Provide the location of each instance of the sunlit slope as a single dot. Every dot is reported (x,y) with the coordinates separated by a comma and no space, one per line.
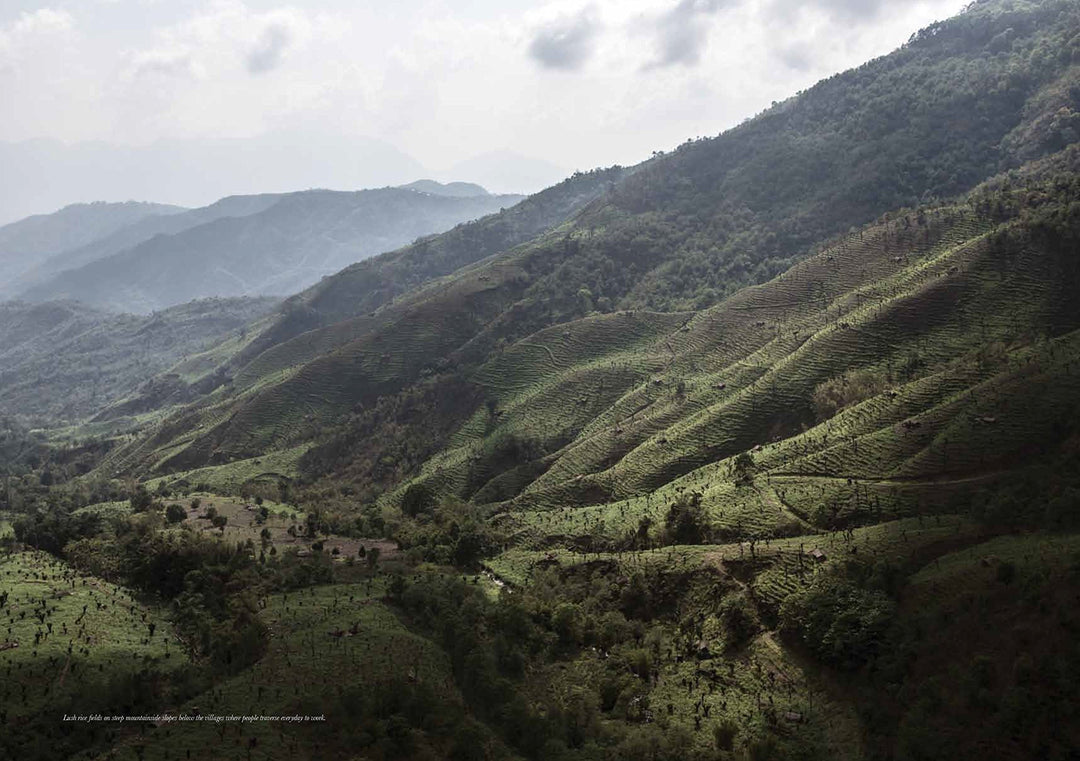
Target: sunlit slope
(908,317)
(948,336)
(687,228)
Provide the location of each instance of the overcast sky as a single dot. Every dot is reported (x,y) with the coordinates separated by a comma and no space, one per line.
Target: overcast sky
(576,83)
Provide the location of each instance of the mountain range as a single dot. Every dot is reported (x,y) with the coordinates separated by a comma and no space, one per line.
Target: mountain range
(764,448)
(238,246)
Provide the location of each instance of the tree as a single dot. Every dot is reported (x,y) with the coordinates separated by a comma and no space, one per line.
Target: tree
(470,545)
(373,557)
(566,621)
(685,522)
(418,498)
(841,623)
(174,513)
(219,522)
(738,619)
(140,499)
(744,468)
(724,734)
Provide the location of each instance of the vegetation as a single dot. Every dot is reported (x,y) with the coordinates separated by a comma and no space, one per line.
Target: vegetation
(766,448)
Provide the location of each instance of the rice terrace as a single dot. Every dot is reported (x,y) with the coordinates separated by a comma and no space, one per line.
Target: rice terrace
(762,447)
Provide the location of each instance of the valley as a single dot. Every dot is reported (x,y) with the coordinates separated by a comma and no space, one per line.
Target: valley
(763,448)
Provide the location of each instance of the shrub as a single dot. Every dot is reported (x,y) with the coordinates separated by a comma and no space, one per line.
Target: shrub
(847,390)
(418,498)
(685,522)
(842,624)
(724,734)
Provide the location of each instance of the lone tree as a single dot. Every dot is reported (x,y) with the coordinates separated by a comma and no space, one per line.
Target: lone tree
(418,498)
(141,500)
(219,522)
(685,522)
(744,469)
(174,513)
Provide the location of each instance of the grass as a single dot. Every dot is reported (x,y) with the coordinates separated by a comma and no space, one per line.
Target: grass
(72,632)
(105,510)
(304,672)
(231,477)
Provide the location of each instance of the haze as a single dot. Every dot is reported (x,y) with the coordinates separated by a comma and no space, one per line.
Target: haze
(186,101)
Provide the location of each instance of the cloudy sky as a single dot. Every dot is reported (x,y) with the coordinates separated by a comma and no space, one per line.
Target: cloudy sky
(577,83)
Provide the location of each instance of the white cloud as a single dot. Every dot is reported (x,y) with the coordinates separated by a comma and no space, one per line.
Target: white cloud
(42,21)
(165,63)
(566,42)
(576,82)
(20,38)
(681,34)
(268,52)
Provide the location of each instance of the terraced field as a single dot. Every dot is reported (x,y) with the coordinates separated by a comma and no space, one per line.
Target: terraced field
(627,411)
(389,670)
(271,469)
(69,642)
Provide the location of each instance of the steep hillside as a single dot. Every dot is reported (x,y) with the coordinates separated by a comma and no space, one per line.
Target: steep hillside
(29,242)
(61,361)
(685,230)
(765,449)
(616,405)
(288,245)
(932,348)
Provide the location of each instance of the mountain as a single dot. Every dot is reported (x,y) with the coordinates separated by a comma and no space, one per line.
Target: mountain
(450,189)
(47,174)
(868,458)
(29,242)
(766,448)
(678,233)
(130,235)
(280,245)
(60,361)
(509,172)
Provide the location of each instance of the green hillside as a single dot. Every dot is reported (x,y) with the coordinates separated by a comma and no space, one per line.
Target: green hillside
(679,232)
(61,362)
(764,449)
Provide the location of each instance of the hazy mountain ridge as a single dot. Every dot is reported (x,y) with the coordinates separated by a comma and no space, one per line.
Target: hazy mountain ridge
(134,234)
(28,242)
(295,240)
(449,189)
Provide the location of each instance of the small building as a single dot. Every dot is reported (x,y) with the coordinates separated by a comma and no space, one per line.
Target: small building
(818,555)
